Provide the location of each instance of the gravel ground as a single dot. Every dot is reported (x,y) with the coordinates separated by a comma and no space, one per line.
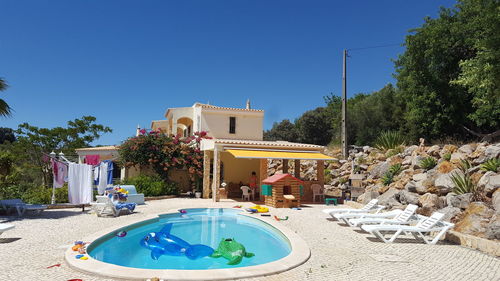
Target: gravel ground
(337,252)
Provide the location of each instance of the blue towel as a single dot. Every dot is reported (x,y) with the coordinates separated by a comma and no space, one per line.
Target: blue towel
(130,206)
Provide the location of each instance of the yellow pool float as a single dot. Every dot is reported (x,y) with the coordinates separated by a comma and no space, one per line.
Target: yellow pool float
(260,209)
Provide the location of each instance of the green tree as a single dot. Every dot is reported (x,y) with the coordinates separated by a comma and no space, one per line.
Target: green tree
(5,109)
(436,72)
(7,134)
(32,141)
(284,131)
(314,127)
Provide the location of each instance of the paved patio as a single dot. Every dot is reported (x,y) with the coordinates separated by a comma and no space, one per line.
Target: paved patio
(337,252)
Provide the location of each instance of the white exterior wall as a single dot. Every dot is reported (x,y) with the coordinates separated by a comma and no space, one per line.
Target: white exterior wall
(249,125)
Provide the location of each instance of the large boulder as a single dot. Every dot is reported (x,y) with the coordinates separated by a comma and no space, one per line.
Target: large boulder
(370,193)
(492,151)
(388,199)
(411,186)
(449,148)
(415,162)
(406,197)
(461,201)
(419,177)
(457,157)
(409,150)
(450,212)
(434,150)
(379,169)
(495,201)
(429,200)
(443,182)
(489,182)
(475,220)
(493,228)
(467,149)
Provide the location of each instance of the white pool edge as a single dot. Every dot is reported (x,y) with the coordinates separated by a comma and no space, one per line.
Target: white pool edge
(299,254)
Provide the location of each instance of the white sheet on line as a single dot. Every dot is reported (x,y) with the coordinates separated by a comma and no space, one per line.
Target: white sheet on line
(80,183)
(103,178)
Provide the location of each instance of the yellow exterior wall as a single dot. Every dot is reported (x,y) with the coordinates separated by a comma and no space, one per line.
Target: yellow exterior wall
(248,126)
(236,170)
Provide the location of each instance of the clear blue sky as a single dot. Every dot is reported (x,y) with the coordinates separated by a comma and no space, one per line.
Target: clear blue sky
(126,62)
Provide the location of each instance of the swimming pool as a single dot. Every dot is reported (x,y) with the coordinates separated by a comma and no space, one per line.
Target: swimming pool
(273,248)
(196,226)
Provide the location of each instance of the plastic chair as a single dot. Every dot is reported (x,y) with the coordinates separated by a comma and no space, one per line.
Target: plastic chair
(246,192)
(317,191)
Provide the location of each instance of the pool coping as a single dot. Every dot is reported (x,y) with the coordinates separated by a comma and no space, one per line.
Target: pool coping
(299,254)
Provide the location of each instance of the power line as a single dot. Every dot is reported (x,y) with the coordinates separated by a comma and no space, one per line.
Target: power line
(375,47)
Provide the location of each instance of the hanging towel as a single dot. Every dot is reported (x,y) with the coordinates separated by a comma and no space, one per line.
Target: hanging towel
(110,170)
(103,178)
(80,183)
(92,160)
(60,173)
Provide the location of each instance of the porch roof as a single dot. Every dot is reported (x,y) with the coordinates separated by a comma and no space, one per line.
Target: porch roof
(276,154)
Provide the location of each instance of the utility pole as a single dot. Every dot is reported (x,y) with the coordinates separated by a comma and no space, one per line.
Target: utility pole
(345,152)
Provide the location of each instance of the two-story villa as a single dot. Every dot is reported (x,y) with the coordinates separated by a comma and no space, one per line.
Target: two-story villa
(236,149)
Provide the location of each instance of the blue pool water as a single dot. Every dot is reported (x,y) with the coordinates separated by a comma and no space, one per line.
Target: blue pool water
(197,226)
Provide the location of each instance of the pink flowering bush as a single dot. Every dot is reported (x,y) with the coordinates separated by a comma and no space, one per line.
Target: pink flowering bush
(162,153)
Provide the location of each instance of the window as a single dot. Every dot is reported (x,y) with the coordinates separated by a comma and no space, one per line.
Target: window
(232,125)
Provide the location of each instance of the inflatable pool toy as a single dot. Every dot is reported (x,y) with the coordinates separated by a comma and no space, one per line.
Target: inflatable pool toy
(260,209)
(164,243)
(250,210)
(237,206)
(78,246)
(296,208)
(84,258)
(280,219)
(81,257)
(121,233)
(231,250)
(182,211)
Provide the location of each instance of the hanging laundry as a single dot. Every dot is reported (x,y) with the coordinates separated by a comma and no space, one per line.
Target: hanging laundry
(59,173)
(79,183)
(103,177)
(110,171)
(92,160)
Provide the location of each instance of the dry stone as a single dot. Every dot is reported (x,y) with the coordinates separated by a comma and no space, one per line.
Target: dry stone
(410,149)
(429,200)
(475,220)
(450,212)
(493,228)
(490,182)
(415,162)
(457,157)
(461,201)
(411,186)
(434,150)
(379,169)
(388,199)
(495,201)
(466,149)
(443,182)
(406,197)
(492,151)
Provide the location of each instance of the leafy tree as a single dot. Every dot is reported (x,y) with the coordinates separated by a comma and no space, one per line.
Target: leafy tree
(314,127)
(7,134)
(440,75)
(5,109)
(284,131)
(32,141)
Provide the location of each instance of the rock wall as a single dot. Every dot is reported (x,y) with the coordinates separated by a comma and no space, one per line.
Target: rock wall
(431,188)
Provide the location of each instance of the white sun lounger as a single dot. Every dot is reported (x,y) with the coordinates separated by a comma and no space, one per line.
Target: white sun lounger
(4,227)
(104,206)
(425,225)
(371,206)
(21,207)
(388,215)
(404,217)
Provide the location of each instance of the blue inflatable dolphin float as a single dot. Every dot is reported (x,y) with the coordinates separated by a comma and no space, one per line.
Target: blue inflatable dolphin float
(164,243)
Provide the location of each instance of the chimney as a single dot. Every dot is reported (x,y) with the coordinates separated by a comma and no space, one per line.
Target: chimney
(248,104)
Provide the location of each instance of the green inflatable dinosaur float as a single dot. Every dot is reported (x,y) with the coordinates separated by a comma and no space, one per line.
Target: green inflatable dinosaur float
(231,250)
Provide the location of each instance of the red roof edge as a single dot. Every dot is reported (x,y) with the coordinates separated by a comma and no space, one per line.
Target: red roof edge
(278,177)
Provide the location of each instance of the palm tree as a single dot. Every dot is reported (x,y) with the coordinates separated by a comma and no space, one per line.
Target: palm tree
(5,109)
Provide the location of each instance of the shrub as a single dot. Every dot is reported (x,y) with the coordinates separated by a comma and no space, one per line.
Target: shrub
(491,165)
(428,163)
(388,177)
(152,185)
(395,151)
(447,156)
(33,194)
(389,140)
(463,183)
(464,165)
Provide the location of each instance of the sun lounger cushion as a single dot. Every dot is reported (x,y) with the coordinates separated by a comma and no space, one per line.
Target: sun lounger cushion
(133,196)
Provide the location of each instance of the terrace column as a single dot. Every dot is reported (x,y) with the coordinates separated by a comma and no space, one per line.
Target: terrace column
(320,169)
(285,166)
(297,168)
(206,173)
(216,179)
(262,170)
